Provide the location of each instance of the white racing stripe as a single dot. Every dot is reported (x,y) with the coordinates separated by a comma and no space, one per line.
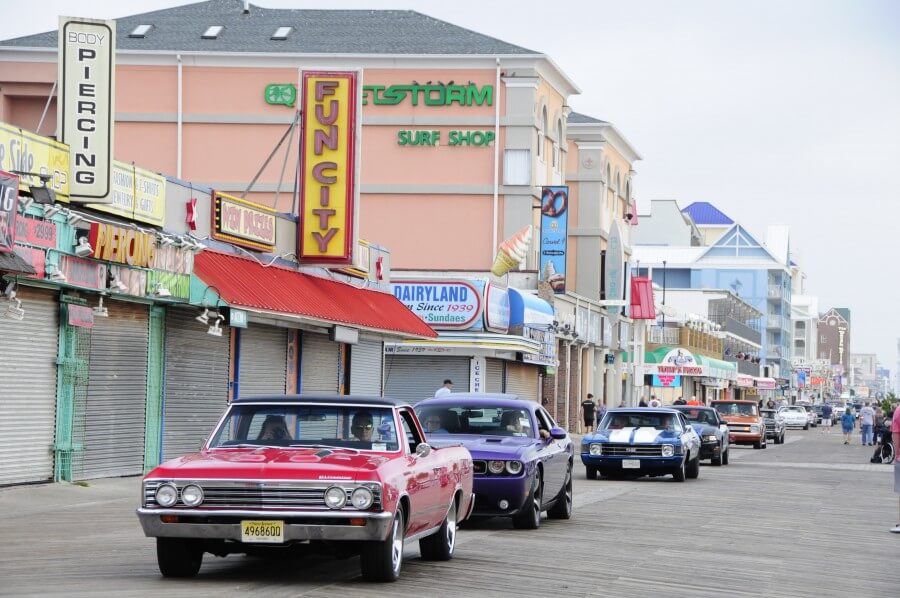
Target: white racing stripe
(643,434)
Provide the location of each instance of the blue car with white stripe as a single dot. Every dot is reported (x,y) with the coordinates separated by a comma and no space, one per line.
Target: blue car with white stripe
(642,441)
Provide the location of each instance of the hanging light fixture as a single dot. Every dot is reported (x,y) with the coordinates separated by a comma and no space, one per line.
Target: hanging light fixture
(100,310)
(163,291)
(14,310)
(216,328)
(51,210)
(56,274)
(83,248)
(204,317)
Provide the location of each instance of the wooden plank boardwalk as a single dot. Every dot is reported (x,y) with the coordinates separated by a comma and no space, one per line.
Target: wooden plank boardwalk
(808,518)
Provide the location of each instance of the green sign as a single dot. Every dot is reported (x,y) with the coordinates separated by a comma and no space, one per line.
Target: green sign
(284,94)
(455,138)
(429,95)
(237,318)
(72,300)
(178,285)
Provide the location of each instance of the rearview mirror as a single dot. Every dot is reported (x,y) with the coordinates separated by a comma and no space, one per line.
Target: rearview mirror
(423,450)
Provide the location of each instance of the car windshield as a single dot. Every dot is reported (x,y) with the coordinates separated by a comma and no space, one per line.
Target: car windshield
(486,420)
(795,409)
(367,428)
(618,421)
(736,408)
(700,416)
(770,413)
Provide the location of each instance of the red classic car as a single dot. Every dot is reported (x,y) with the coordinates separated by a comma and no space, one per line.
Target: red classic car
(353,474)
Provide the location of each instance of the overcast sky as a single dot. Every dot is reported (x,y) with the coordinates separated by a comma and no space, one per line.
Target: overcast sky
(776,111)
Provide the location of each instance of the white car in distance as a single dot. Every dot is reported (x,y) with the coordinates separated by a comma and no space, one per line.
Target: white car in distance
(794,416)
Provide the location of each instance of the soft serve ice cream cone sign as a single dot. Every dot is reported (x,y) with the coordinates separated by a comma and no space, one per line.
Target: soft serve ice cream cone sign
(512,252)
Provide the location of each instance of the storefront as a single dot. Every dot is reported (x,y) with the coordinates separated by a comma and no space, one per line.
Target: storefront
(491,340)
(301,333)
(767,388)
(742,386)
(673,372)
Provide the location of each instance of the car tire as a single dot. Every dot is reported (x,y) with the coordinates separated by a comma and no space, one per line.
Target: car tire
(679,475)
(529,517)
(590,472)
(806,427)
(692,468)
(440,546)
(178,557)
(717,461)
(757,445)
(382,560)
(725,456)
(765,443)
(563,507)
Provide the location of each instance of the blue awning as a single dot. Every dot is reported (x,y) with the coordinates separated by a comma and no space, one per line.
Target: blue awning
(526,309)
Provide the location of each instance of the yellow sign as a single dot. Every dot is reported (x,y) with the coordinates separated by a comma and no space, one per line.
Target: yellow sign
(137,194)
(122,245)
(243,222)
(26,152)
(328,168)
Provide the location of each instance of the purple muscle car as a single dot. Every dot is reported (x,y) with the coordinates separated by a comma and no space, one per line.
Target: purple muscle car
(522,459)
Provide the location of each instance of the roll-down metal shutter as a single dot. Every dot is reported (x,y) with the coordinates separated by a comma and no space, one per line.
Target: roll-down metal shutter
(319,364)
(494,375)
(522,380)
(263,360)
(115,409)
(366,359)
(196,382)
(28,353)
(416,377)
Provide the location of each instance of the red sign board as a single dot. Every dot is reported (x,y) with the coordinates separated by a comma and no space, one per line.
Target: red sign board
(35,258)
(32,231)
(81,316)
(83,273)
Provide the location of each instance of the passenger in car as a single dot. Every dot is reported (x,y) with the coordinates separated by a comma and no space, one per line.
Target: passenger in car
(274,428)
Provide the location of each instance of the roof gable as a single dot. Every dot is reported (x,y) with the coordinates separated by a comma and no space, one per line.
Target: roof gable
(706,214)
(737,243)
(578,118)
(314,32)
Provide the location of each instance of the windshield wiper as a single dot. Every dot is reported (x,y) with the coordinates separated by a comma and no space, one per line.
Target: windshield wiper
(322,446)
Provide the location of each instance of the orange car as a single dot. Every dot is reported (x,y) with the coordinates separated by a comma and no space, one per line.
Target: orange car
(745,424)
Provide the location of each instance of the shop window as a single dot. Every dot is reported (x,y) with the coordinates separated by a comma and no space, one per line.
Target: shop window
(517,167)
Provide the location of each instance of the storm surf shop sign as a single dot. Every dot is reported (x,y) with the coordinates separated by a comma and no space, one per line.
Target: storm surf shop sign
(328,168)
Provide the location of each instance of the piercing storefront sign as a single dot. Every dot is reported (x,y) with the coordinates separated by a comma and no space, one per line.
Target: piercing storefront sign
(87,49)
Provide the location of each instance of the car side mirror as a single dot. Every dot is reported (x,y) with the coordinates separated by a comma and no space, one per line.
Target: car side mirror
(557,433)
(423,450)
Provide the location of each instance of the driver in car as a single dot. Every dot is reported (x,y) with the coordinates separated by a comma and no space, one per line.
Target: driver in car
(362,427)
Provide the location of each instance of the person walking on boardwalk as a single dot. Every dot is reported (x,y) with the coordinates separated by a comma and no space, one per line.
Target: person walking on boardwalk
(588,407)
(848,422)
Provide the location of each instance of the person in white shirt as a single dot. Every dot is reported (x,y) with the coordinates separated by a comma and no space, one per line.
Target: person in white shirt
(446,389)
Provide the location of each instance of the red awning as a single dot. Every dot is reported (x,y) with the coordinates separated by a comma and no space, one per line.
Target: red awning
(247,283)
(642,307)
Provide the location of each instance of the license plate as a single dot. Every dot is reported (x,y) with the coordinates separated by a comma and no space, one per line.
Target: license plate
(631,463)
(266,532)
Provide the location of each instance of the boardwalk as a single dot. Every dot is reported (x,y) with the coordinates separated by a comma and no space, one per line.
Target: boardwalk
(809,518)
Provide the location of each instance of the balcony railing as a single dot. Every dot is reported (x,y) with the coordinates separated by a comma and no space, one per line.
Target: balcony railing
(774,321)
(695,341)
(773,353)
(775,292)
(663,336)
(740,329)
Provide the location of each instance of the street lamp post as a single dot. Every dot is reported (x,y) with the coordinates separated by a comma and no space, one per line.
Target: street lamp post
(664,295)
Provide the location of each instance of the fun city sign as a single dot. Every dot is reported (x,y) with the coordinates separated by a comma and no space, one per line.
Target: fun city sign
(328,168)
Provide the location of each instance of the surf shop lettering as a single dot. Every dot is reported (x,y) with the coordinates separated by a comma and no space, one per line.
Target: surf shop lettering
(324,172)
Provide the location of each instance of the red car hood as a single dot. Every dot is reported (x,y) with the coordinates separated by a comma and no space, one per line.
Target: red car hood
(271,463)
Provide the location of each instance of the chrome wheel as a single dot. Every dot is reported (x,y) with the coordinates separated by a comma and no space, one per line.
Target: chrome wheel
(451,528)
(396,547)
